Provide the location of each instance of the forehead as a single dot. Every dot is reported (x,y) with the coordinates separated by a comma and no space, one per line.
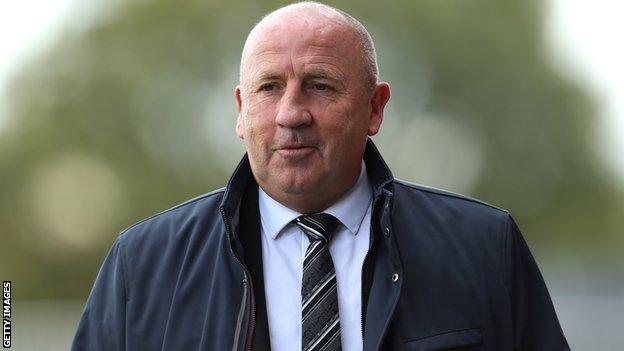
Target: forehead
(301,44)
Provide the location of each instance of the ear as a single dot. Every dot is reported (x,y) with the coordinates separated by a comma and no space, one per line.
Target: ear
(378,101)
(239,104)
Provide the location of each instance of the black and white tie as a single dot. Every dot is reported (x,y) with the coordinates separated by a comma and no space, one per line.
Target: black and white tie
(319,295)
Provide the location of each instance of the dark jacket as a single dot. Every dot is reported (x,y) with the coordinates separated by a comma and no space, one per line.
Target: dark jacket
(443,272)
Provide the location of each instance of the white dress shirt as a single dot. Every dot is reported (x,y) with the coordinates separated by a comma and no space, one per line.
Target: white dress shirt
(283,248)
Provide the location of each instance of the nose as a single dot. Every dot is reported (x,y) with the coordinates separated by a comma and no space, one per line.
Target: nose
(293,111)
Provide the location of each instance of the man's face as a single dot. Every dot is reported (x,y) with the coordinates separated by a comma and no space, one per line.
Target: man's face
(304,109)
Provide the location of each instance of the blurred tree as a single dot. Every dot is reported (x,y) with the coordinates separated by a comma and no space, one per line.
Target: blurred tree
(135,114)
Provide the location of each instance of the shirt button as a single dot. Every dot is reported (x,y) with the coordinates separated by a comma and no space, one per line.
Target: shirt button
(395,278)
(386,231)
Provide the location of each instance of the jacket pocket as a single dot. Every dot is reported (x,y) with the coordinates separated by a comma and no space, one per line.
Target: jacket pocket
(447,340)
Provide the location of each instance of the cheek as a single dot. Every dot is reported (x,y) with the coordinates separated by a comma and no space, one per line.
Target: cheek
(344,131)
(342,123)
(256,104)
(258,121)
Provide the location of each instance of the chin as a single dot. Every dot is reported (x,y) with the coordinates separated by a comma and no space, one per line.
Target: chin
(298,184)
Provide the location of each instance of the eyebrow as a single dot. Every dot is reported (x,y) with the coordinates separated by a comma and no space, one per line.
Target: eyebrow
(268,75)
(323,73)
(311,73)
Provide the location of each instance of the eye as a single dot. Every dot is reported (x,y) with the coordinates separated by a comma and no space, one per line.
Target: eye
(321,86)
(267,87)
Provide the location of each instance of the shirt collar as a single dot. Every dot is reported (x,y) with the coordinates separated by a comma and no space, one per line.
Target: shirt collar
(350,209)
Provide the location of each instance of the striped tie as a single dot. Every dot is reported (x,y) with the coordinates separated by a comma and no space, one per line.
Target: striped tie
(319,297)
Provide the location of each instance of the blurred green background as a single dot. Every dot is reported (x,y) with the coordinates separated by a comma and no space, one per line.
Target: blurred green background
(134,112)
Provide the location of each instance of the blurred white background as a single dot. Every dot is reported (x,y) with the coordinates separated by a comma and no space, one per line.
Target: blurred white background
(585,45)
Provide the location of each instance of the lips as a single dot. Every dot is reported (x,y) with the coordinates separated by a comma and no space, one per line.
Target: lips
(292,146)
(294,151)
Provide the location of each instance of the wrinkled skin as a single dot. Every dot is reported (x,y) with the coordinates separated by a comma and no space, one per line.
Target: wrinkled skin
(305,109)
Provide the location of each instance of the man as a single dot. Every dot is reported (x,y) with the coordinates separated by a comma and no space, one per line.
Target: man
(313,245)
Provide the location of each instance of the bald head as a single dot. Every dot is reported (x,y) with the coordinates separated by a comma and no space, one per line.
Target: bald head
(320,15)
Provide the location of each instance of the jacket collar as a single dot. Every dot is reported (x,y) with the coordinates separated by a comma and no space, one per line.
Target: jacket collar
(379,173)
(379,176)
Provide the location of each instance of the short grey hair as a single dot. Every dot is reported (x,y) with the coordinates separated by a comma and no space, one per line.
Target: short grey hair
(369,54)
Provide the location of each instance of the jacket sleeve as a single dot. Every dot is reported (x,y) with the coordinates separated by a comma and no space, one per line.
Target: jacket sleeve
(535,323)
(102,325)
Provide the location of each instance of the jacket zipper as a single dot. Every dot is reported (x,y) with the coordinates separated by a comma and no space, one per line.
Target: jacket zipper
(239,318)
(246,282)
(364,269)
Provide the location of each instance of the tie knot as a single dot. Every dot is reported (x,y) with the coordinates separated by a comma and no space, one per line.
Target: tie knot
(318,226)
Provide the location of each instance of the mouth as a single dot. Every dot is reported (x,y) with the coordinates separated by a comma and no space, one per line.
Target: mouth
(294,151)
